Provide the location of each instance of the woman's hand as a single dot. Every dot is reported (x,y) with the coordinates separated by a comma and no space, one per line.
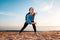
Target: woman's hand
(33,22)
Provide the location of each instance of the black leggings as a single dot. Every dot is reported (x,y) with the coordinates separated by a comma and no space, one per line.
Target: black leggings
(25,25)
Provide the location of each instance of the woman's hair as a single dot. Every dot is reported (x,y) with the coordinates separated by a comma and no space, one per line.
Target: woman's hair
(30,8)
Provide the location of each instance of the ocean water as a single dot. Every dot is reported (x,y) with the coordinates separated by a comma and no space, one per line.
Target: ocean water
(30,28)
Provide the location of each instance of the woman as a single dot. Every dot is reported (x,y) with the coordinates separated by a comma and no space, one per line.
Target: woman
(29,20)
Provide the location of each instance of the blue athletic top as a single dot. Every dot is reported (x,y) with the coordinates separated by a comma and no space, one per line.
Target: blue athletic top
(29,18)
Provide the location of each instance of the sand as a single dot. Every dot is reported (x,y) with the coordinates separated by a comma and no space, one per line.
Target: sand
(28,35)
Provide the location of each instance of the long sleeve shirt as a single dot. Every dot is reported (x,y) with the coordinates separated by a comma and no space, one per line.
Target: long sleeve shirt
(30,18)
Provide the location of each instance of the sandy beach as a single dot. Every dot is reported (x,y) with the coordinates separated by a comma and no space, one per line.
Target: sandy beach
(29,35)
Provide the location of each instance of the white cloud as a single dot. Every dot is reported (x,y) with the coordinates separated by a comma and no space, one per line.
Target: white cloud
(7,13)
(54,16)
(49,14)
(47,6)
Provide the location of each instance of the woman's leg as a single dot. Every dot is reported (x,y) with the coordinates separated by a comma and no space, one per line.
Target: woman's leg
(34,27)
(25,25)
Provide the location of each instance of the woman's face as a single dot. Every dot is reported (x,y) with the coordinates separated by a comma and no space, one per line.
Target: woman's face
(32,11)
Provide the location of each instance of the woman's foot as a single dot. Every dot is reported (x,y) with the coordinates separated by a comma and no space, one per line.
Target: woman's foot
(36,34)
(18,33)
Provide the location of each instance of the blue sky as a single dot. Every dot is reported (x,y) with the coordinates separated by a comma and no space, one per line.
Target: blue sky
(12,12)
